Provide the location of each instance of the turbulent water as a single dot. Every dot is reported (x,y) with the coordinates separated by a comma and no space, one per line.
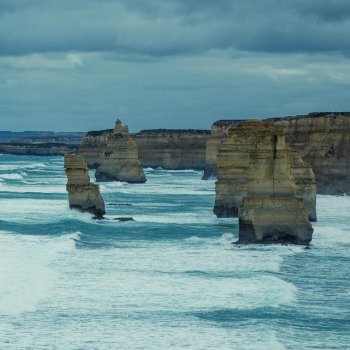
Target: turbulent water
(168,280)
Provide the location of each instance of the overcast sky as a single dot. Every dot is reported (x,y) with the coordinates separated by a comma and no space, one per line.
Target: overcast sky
(79,64)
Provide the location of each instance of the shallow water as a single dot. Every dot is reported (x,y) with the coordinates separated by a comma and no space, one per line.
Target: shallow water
(170,279)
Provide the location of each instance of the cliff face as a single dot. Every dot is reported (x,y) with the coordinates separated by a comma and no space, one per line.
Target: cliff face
(38,149)
(255,161)
(82,194)
(273,220)
(120,160)
(323,140)
(304,179)
(93,146)
(169,149)
(172,149)
(254,166)
(219,132)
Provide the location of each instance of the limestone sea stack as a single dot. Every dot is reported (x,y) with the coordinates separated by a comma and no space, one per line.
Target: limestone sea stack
(305,182)
(120,158)
(255,177)
(82,194)
(253,160)
(273,220)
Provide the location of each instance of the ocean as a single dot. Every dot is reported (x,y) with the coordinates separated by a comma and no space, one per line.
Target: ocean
(171,279)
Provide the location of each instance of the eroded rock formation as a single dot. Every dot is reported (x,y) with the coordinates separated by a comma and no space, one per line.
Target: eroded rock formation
(82,194)
(37,149)
(273,220)
(254,166)
(304,179)
(120,158)
(93,146)
(166,148)
(172,149)
(322,139)
(257,168)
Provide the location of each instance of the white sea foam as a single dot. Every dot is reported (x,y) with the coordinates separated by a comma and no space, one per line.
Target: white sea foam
(11,176)
(26,276)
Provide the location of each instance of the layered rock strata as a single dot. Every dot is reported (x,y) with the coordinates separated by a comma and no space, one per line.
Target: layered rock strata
(120,158)
(254,160)
(305,182)
(273,220)
(172,149)
(254,166)
(165,148)
(82,194)
(37,149)
(93,146)
(322,139)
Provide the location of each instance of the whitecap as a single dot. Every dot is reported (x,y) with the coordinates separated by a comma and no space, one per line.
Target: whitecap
(11,176)
(26,275)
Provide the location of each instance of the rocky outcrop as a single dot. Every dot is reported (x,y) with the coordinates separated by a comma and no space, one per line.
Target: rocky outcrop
(172,149)
(255,161)
(37,149)
(82,194)
(273,220)
(322,139)
(165,148)
(304,179)
(219,132)
(93,146)
(254,164)
(120,158)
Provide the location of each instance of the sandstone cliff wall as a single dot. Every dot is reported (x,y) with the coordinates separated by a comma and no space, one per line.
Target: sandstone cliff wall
(172,149)
(166,148)
(323,140)
(120,158)
(39,149)
(93,146)
(254,160)
(254,166)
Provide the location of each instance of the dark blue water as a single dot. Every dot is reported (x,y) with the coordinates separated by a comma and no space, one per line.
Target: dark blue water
(170,279)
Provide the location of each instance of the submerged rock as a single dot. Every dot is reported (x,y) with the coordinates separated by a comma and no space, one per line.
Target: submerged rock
(82,194)
(124,219)
(120,160)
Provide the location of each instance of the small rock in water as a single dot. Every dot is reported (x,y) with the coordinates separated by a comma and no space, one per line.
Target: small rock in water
(119,204)
(124,219)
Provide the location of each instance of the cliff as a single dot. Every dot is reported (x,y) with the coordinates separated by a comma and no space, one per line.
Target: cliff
(254,166)
(37,149)
(93,146)
(322,139)
(166,148)
(255,161)
(82,194)
(120,159)
(172,149)
(273,220)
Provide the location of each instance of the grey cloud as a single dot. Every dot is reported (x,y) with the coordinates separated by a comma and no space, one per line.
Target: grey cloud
(173,27)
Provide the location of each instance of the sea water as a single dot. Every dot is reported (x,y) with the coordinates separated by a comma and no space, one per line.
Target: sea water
(171,279)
